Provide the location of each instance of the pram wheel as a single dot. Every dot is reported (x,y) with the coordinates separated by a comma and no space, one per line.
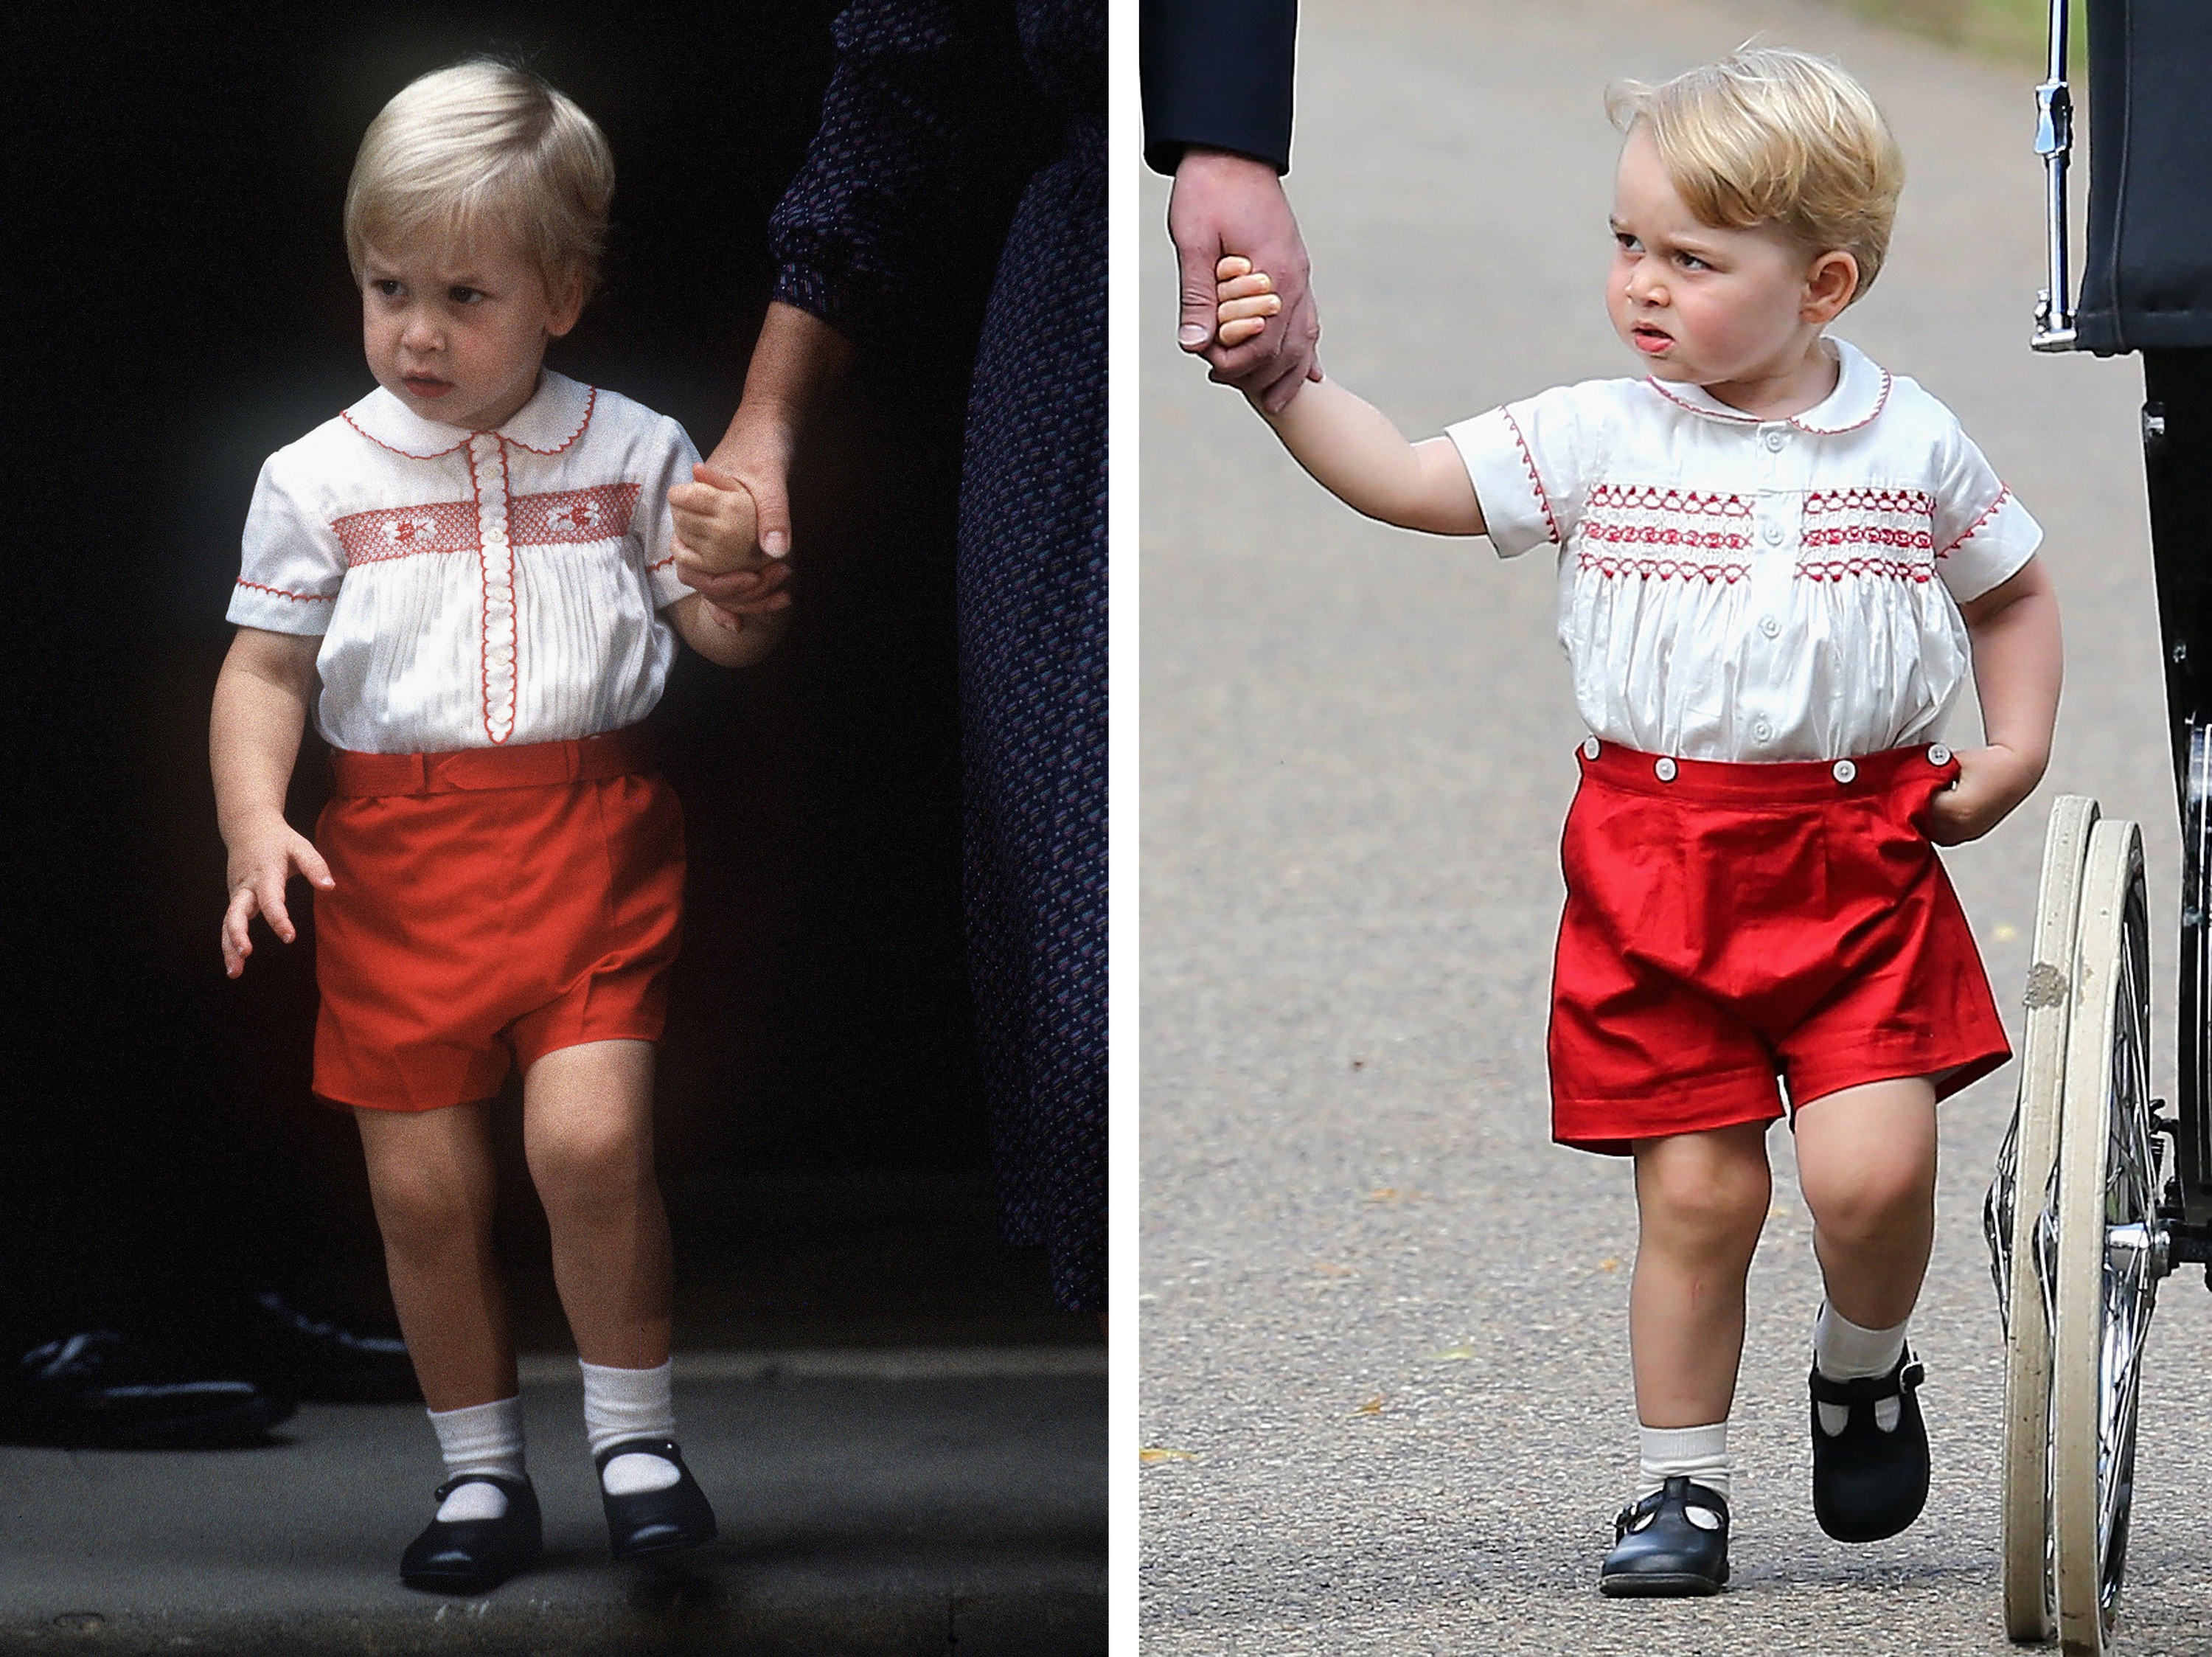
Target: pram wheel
(2019,1217)
(2110,1244)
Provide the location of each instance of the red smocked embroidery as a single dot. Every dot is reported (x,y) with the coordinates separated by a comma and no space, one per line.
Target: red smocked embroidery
(601,513)
(1887,532)
(2005,494)
(1837,568)
(297,597)
(1693,536)
(403,531)
(1535,478)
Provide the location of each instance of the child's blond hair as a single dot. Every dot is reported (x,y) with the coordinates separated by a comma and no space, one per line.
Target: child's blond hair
(482,145)
(1768,136)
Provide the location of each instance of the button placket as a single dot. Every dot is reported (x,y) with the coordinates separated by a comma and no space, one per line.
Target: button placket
(497,560)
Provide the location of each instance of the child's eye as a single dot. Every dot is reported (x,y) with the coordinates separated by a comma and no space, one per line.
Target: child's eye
(1691,262)
(461,295)
(1627,243)
(388,286)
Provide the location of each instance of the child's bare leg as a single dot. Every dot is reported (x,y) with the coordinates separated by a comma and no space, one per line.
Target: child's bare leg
(1701,1199)
(431,1178)
(588,1129)
(1866,1162)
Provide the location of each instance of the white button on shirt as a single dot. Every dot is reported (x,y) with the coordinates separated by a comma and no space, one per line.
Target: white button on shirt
(1734,591)
(473,588)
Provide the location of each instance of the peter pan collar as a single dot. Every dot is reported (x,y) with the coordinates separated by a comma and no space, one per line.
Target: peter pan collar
(1862,389)
(553,418)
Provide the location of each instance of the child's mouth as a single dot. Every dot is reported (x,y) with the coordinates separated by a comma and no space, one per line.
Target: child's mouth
(423,385)
(1650,340)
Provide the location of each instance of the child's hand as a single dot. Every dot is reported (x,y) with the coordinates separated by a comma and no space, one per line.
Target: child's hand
(1245,298)
(716,524)
(1992,781)
(262,859)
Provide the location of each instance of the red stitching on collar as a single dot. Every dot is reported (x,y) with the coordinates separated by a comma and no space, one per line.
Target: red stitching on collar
(590,402)
(346,414)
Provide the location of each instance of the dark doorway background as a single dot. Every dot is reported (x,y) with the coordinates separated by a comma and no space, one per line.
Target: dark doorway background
(187,310)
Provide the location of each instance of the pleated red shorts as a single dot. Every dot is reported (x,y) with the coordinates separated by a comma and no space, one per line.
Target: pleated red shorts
(1729,924)
(491,906)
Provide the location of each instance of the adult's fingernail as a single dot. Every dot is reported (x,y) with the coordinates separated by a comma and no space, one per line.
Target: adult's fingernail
(776,543)
(1193,334)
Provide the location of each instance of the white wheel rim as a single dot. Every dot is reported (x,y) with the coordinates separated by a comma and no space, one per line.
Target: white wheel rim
(2107,1241)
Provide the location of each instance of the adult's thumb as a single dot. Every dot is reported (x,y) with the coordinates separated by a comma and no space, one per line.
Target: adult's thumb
(1200,302)
(771,515)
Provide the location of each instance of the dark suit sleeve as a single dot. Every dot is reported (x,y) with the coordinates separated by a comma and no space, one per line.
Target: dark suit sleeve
(1217,73)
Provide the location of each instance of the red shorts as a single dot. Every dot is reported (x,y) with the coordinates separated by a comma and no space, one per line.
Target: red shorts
(491,906)
(1726,923)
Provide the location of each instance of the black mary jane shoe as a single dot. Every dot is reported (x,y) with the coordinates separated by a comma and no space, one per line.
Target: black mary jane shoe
(468,1556)
(1671,1545)
(649,1523)
(1867,1483)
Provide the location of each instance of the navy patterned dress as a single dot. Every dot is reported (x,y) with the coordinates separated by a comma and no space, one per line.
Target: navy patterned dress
(920,87)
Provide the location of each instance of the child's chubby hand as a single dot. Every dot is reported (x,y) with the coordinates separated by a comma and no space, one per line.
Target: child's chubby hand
(263,855)
(1245,299)
(718,549)
(1992,781)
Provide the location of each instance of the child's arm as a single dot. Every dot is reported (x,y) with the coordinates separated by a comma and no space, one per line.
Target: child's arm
(261,701)
(1350,449)
(2013,630)
(726,639)
(718,533)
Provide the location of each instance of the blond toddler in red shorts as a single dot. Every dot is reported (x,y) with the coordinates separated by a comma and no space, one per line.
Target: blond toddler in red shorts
(470,579)
(1777,562)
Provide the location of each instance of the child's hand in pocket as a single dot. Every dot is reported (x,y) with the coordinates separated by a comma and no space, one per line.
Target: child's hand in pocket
(1990,782)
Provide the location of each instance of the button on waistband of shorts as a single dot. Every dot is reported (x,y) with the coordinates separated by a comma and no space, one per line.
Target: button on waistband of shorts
(1663,769)
(1938,754)
(1590,747)
(1845,770)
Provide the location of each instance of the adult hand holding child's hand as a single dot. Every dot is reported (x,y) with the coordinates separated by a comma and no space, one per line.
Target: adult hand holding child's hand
(721,532)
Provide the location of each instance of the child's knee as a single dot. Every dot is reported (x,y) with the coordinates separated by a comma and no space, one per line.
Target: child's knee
(588,1159)
(1868,1200)
(1710,1196)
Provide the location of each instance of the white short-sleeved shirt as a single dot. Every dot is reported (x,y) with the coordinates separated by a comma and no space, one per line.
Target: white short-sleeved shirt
(473,589)
(1738,589)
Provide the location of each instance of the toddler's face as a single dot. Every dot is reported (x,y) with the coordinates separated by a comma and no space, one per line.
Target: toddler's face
(1719,308)
(457,330)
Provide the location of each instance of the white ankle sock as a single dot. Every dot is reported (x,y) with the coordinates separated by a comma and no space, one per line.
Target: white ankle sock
(626,1404)
(1843,1351)
(1696,1454)
(483,1438)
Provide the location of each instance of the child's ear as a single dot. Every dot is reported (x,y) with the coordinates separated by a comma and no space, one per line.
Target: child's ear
(1830,283)
(566,304)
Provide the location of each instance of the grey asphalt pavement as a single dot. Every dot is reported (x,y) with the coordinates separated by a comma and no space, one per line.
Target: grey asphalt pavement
(872,1502)
(1385,1393)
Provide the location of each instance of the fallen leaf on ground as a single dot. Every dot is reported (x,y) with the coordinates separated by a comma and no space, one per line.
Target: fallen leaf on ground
(1451,1355)
(1372,1407)
(1608,1263)
(1151,1453)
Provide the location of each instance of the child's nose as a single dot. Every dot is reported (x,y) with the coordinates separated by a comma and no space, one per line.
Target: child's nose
(421,333)
(1645,286)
